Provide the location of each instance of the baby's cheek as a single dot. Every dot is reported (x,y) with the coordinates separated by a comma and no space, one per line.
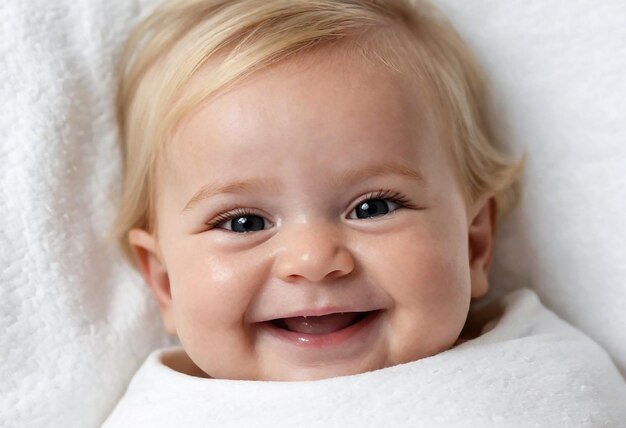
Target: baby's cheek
(428,280)
(217,288)
(422,263)
(442,287)
(210,297)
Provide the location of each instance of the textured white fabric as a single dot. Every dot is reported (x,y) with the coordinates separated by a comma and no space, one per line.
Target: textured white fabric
(77,323)
(531,370)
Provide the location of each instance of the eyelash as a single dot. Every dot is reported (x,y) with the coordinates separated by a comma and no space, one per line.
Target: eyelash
(389,195)
(230,215)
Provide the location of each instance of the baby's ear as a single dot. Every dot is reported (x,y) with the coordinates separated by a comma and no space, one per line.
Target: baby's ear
(480,239)
(154,272)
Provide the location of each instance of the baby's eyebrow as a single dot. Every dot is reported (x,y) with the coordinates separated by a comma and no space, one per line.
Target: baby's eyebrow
(252,185)
(376,170)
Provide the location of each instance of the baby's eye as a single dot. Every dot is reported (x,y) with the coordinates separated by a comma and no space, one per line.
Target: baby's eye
(373,208)
(248,223)
(239,221)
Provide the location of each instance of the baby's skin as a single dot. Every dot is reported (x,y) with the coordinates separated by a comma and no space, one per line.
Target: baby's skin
(311,224)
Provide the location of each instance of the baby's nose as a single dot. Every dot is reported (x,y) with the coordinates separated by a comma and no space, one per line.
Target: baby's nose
(312,252)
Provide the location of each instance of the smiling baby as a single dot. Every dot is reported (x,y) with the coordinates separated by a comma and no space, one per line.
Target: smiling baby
(310,187)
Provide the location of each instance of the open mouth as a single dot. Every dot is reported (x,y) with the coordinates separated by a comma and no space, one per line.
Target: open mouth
(324,324)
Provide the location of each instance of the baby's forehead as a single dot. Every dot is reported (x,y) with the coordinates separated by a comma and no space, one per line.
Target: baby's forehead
(347,62)
(390,67)
(311,92)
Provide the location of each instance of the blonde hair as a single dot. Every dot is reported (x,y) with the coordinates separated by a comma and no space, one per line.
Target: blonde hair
(242,36)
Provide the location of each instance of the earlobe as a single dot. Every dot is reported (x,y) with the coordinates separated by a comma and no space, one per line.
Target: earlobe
(480,239)
(154,272)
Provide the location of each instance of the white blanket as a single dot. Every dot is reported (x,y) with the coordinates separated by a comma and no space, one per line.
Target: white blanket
(531,370)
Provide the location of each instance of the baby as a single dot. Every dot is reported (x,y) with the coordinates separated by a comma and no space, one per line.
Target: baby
(310,187)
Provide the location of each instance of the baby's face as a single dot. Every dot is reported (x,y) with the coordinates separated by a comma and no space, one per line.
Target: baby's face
(310,225)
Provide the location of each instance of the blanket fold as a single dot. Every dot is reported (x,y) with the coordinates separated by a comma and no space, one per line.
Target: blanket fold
(530,369)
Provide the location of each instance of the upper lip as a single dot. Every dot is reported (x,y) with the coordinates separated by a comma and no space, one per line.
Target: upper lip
(316,312)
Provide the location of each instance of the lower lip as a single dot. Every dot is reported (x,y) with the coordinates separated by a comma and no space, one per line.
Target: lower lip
(339,337)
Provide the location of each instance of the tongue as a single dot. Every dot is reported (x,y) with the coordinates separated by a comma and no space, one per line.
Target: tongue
(324,324)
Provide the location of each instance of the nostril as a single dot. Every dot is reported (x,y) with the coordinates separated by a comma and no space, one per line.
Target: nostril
(335,274)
